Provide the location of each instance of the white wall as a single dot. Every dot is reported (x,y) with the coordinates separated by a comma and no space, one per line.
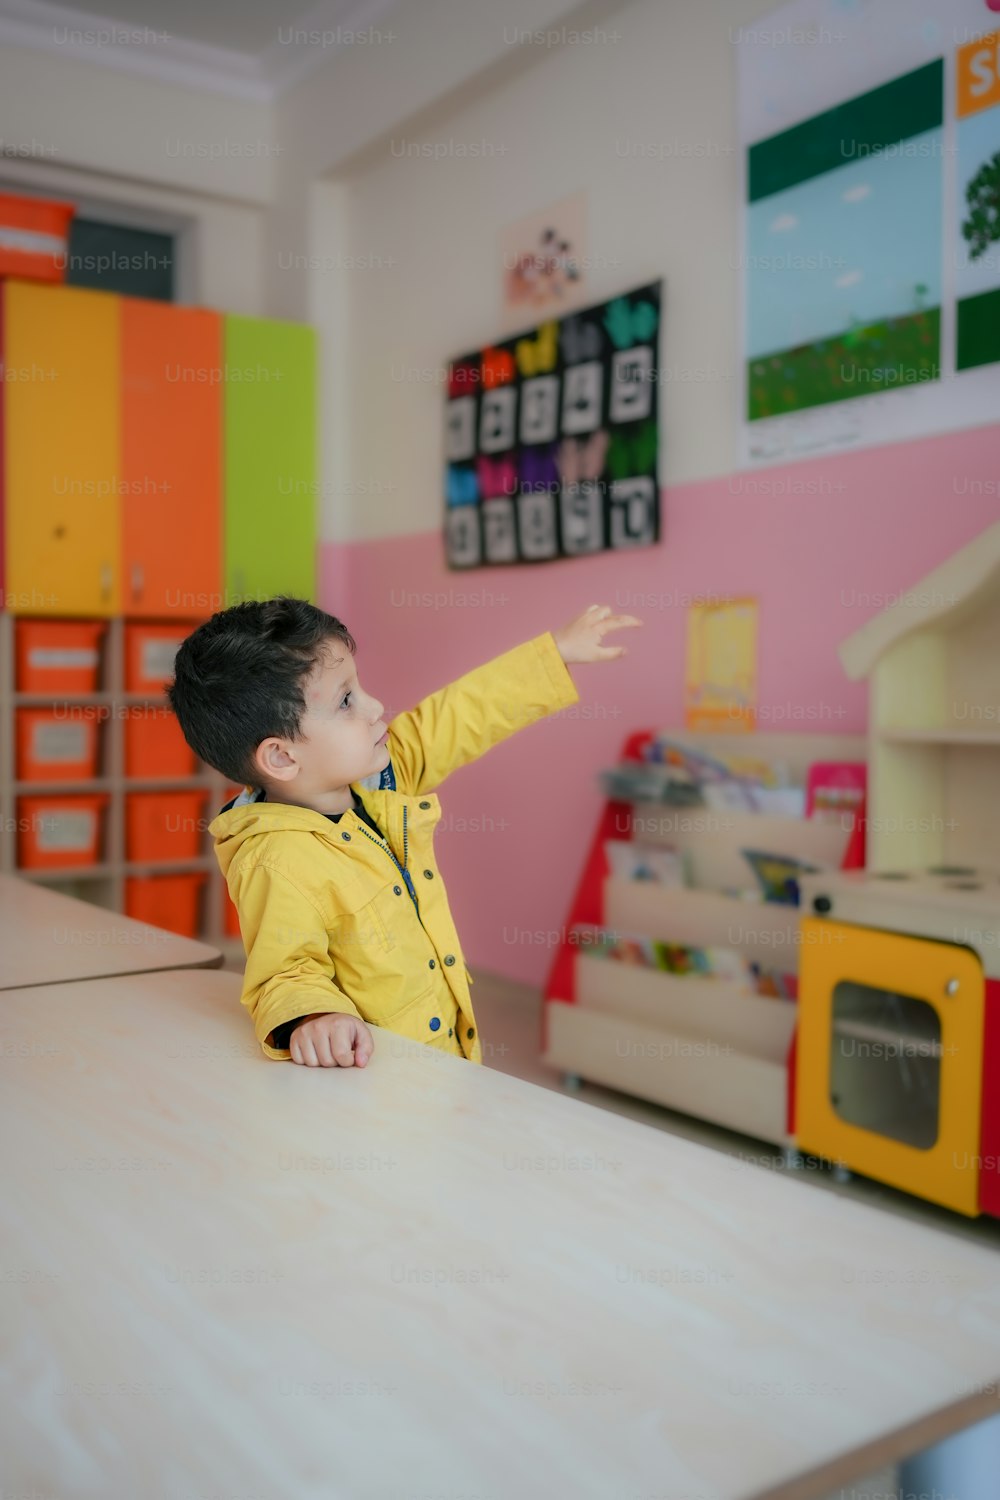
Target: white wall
(69,128)
(646,124)
(99,118)
(394,258)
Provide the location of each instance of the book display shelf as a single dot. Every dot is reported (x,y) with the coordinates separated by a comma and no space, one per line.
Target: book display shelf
(710,1029)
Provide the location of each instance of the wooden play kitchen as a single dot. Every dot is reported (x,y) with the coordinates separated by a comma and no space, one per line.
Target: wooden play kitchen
(899,1030)
(158,466)
(899,1002)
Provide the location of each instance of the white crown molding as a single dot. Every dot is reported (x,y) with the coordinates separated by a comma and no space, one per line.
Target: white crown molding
(56,29)
(286,64)
(45,26)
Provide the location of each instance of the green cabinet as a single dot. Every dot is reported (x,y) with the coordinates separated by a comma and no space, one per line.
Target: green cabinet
(270,458)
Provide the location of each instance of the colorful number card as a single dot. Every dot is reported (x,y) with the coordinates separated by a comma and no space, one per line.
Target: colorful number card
(551,438)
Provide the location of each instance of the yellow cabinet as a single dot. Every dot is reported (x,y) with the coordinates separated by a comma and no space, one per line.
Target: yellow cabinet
(889,1058)
(62,423)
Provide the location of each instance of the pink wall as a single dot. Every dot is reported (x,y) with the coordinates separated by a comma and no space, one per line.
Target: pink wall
(820,544)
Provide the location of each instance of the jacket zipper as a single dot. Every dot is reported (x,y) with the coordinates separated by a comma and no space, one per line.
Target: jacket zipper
(407,877)
(384,844)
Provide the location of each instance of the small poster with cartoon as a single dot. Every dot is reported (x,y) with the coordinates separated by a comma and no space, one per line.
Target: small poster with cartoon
(552,438)
(543,262)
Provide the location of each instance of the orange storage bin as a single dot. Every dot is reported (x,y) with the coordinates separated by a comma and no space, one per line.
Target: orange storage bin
(164,825)
(56,832)
(56,745)
(154,744)
(169,901)
(149,655)
(58,656)
(34,237)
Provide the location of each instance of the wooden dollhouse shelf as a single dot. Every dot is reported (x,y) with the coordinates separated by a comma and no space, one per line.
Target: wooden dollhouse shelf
(706,1046)
(934,673)
(985,737)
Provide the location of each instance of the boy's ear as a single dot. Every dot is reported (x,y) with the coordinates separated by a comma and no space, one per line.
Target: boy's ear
(274,761)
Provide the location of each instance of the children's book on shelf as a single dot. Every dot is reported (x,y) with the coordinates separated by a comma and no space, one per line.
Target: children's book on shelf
(633,781)
(836,790)
(736,781)
(778,874)
(680,959)
(630,860)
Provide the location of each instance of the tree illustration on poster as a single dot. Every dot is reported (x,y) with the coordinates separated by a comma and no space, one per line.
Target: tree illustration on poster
(551,438)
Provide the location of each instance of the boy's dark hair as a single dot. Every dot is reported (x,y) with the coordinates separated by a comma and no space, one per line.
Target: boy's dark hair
(239,678)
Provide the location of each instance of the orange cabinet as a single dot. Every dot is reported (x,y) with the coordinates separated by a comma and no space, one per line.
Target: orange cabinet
(171,460)
(61,449)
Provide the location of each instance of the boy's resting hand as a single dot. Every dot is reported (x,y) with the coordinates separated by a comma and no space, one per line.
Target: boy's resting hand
(331,1040)
(580,640)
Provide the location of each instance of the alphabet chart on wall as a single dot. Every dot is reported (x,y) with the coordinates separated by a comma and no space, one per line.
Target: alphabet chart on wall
(551,438)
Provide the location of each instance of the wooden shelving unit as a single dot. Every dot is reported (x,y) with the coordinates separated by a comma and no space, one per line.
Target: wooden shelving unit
(934,721)
(104,883)
(707,1047)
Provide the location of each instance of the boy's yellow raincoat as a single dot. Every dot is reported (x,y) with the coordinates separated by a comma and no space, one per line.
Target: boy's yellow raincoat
(335,919)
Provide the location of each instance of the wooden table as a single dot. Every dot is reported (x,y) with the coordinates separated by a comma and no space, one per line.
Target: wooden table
(49,938)
(229,1276)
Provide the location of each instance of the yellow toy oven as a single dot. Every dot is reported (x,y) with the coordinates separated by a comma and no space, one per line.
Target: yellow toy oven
(897,1071)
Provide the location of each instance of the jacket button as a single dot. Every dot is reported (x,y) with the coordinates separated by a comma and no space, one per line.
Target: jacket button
(345,836)
(435,1023)
(425,804)
(397,890)
(432,963)
(429,874)
(471,1032)
(449,958)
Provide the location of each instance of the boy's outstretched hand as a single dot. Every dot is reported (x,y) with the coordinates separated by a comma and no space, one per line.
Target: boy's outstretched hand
(332,1040)
(580,640)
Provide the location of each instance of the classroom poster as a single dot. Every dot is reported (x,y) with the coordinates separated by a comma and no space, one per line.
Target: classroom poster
(552,438)
(870,258)
(977,275)
(543,263)
(720,689)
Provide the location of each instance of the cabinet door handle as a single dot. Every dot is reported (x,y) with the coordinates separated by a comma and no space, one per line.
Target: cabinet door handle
(137,580)
(952,987)
(105,580)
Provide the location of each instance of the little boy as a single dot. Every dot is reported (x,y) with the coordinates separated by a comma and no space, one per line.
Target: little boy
(328,850)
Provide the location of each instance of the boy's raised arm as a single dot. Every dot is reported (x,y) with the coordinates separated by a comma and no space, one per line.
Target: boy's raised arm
(460,722)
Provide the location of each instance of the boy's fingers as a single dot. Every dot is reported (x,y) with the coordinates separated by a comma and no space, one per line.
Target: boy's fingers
(363,1046)
(323,1052)
(308,1052)
(343,1048)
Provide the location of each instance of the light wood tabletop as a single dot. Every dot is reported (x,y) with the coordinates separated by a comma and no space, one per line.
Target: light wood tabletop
(226,1276)
(49,938)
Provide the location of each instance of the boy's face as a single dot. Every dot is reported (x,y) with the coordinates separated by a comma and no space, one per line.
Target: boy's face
(342,737)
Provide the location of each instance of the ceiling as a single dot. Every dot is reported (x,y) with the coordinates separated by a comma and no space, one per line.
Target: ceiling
(250,48)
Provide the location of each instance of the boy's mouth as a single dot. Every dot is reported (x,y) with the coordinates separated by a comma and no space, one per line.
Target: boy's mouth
(382,739)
